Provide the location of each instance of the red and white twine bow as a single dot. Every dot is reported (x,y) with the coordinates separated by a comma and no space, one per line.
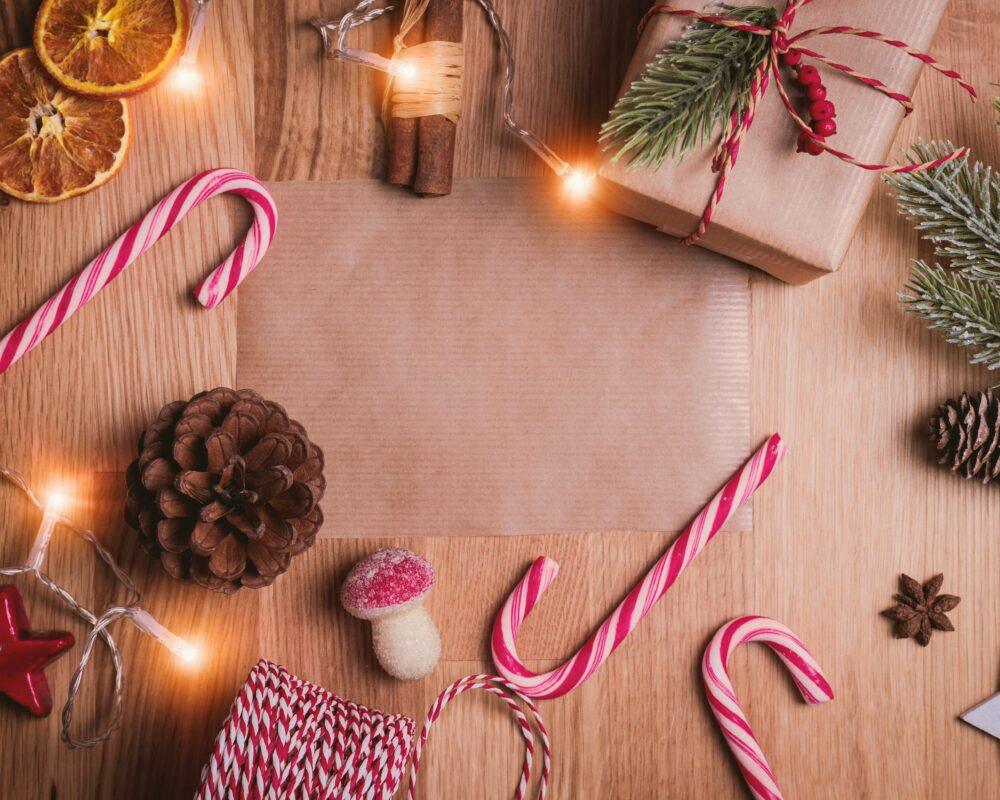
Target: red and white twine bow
(739,124)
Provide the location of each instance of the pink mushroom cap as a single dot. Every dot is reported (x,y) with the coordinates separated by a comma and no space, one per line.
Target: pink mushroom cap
(386,582)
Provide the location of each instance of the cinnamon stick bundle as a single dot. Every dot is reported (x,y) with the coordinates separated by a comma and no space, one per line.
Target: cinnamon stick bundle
(403,133)
(422,150)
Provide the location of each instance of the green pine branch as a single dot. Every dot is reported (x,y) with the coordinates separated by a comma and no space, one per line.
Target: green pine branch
(966,311)
(681,96)
(955,207)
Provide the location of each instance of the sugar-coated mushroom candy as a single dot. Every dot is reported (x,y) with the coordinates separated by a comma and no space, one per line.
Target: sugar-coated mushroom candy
(388,589)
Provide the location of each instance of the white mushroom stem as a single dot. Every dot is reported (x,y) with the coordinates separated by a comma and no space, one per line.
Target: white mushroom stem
(407,644)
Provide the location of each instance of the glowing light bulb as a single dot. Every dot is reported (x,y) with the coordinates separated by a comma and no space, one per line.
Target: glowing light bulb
(188,653)
(186,77)
(183,650)
(55,501)
(579,183)
(405,72)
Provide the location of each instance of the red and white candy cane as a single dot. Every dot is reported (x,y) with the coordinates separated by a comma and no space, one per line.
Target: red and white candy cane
(143,235)
(510,696)
(624,619)
(806,673)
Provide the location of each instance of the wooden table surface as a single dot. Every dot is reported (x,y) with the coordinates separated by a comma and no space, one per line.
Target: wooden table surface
(838,369)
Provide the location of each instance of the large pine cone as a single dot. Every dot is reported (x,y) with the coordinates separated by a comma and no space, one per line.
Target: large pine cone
(967,436)
(225,490)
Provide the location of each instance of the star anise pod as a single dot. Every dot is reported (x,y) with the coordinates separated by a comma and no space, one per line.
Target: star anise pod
(920,610)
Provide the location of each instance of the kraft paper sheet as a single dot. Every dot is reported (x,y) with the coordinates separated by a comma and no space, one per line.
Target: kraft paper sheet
(499,361)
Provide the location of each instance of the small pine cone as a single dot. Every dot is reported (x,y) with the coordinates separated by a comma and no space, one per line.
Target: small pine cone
(225,489)
(966,434)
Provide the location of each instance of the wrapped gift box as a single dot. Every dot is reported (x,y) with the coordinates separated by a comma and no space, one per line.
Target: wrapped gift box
(788,213)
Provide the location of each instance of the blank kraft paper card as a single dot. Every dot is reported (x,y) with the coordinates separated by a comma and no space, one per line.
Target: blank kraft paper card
(500,361)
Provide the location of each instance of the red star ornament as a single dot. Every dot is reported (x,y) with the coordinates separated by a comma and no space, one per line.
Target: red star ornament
(24,653)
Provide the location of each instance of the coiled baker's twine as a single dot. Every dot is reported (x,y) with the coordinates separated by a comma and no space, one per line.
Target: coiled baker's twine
(287,737)
(512,697)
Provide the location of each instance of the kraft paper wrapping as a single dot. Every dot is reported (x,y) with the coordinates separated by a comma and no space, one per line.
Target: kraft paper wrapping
(790,214)
(499,361)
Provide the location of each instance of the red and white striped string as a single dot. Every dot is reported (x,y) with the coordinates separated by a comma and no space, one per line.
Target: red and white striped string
(289,739)
(510,695)
(808,677)
(737,126)
(630,612)
(143,235)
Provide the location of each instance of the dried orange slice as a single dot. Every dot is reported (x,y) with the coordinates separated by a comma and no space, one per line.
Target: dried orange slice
(110,48)
(53,144)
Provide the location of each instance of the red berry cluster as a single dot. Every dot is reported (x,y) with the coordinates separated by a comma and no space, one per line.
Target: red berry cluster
(821,110)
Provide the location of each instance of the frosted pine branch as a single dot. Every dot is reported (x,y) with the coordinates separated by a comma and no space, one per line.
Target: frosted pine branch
(954,206)
(966,311)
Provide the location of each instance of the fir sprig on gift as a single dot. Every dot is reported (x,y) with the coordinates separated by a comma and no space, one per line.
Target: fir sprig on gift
(681,96)
(955,206)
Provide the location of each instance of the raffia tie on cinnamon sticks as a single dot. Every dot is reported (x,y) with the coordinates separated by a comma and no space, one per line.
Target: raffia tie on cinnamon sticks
(435,89)
(422,111)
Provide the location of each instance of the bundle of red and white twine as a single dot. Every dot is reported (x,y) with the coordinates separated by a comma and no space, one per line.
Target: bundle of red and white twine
(738,124)
(289,738)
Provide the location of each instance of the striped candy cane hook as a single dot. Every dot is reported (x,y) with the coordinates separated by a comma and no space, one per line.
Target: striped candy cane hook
(624,619)
(808,677)
(143,235)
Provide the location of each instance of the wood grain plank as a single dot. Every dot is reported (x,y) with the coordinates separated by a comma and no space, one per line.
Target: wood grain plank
(319,119)
(72,411)
(838,369)
(867,502)
(142,341)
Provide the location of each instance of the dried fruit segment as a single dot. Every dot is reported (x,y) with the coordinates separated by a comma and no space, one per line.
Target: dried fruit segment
(55,145)
(110,48)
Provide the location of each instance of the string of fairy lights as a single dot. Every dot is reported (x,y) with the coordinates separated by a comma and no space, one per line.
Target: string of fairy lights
(52,518)
(334,34)
(186,75)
